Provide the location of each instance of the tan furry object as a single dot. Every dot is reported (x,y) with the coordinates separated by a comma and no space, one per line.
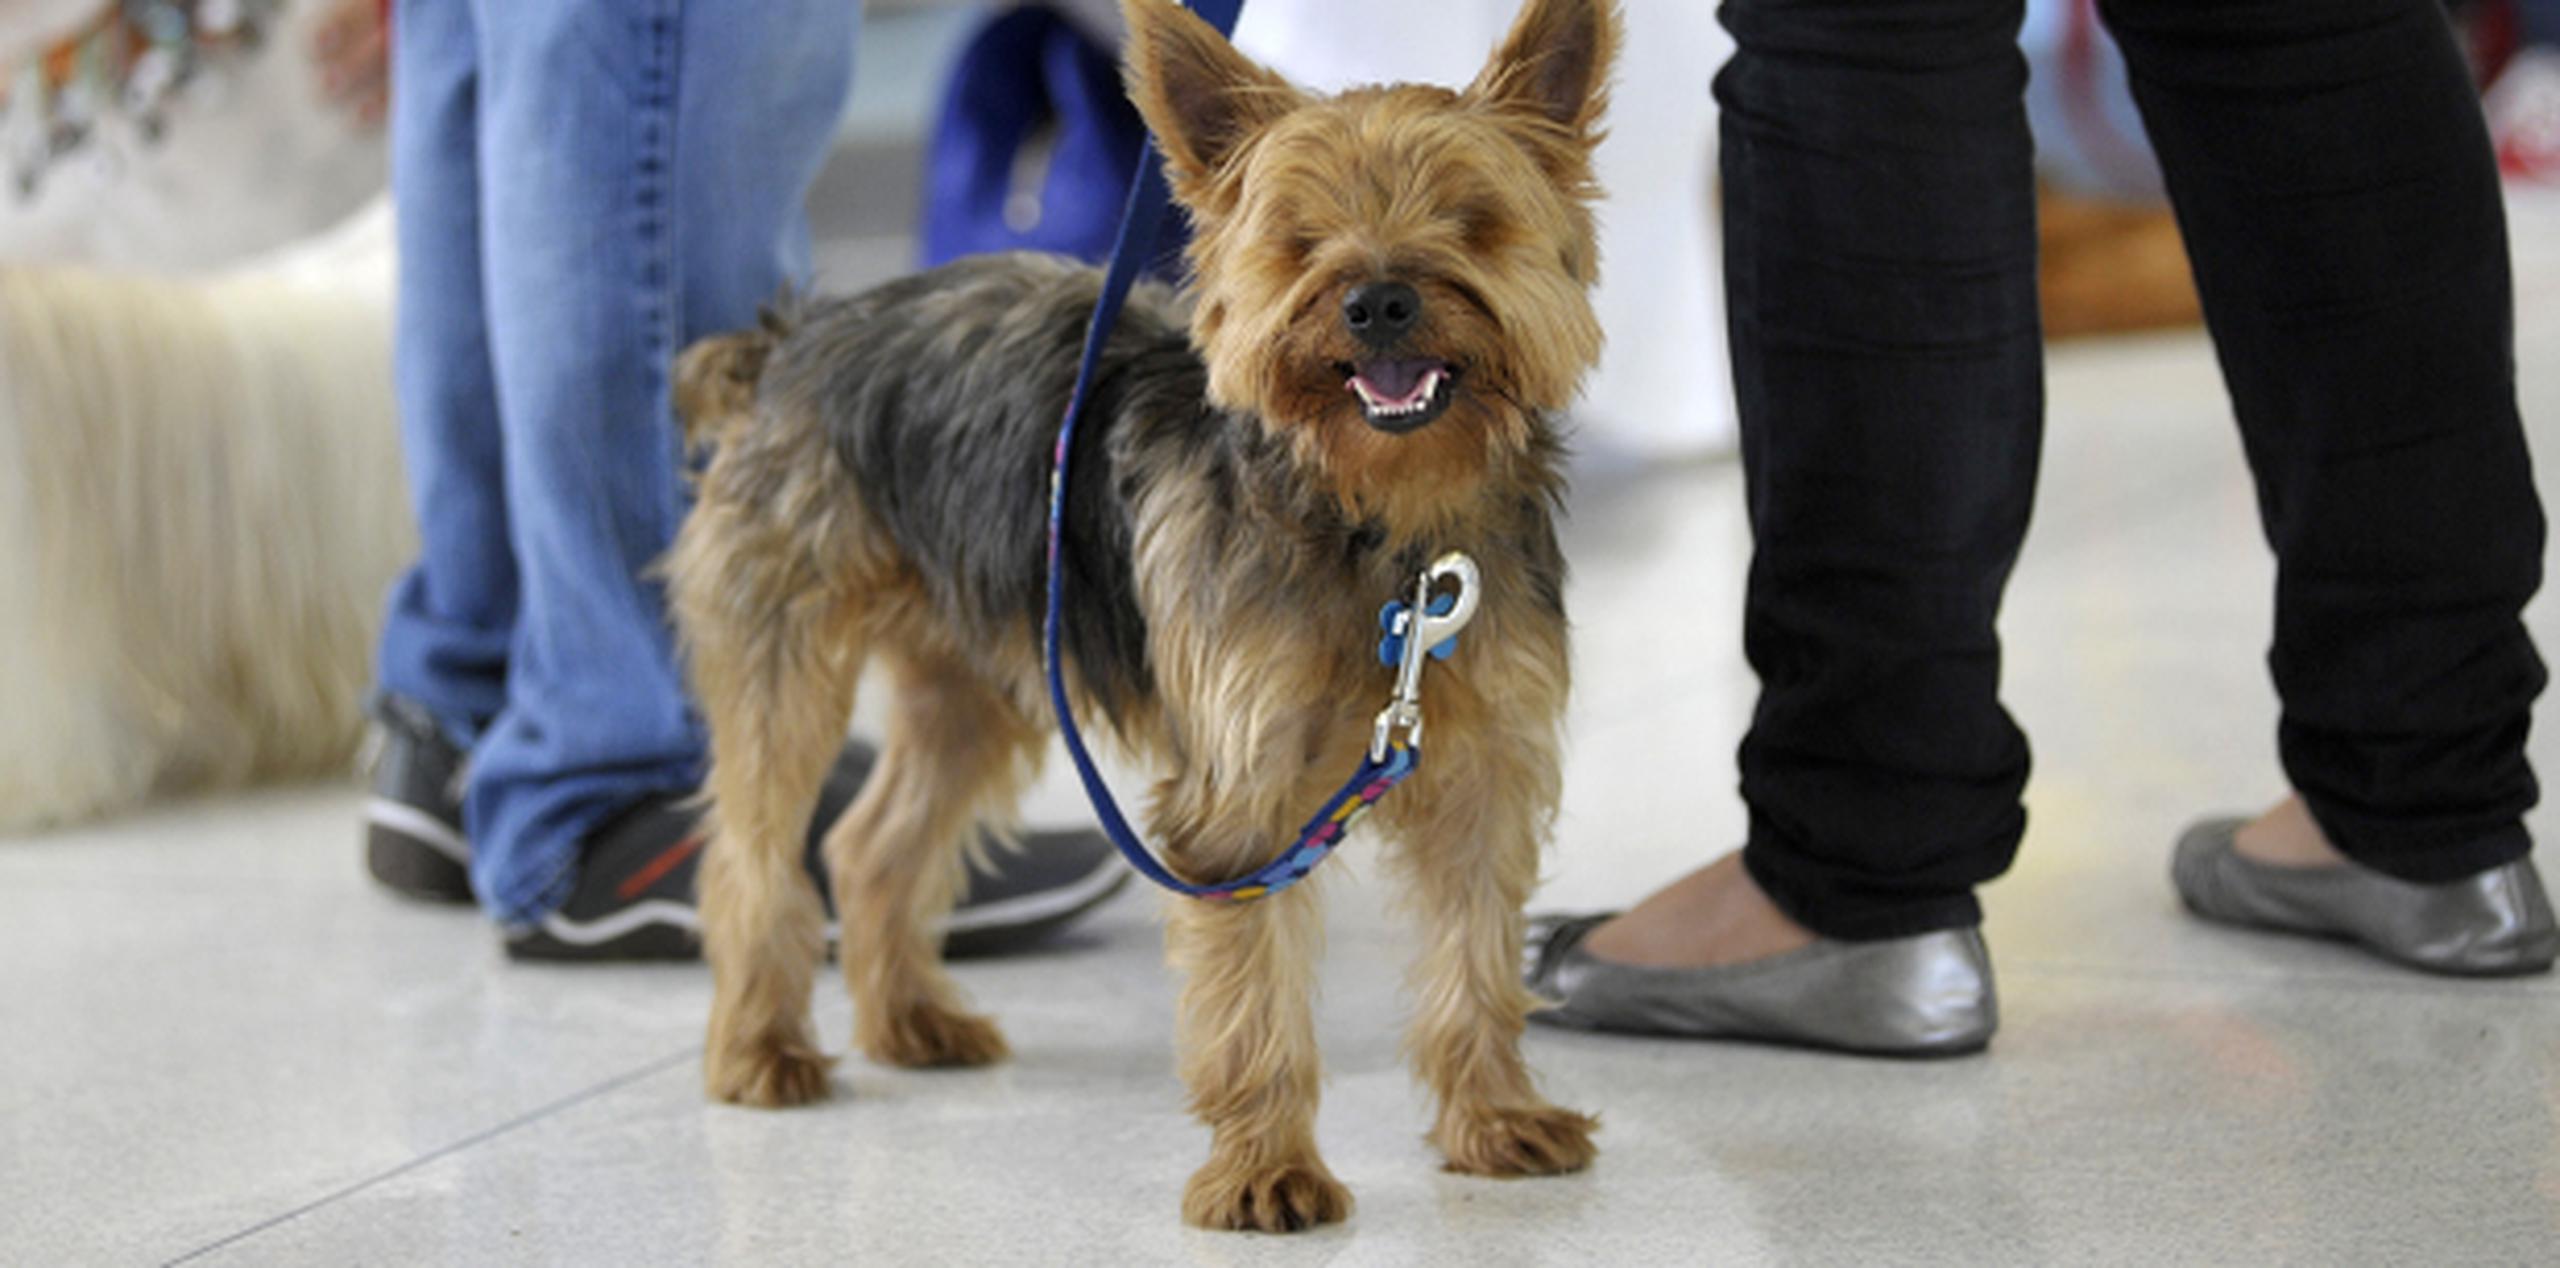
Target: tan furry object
(200,510)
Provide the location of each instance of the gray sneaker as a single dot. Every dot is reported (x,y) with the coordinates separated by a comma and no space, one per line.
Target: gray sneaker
(413,840)
(634,898)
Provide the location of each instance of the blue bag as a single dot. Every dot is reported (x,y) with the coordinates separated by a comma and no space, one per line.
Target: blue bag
(1025,74)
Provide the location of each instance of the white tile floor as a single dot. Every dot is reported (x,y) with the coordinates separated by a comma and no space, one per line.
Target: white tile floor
(218,1041)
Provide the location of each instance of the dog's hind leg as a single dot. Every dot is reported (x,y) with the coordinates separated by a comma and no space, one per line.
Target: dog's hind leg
(775,676)
(957,749)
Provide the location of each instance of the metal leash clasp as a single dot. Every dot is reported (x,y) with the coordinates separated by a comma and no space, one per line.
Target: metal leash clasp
(1424,631)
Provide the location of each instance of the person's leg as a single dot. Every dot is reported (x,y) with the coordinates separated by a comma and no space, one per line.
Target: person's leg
(1880,265)
(2331,172)
(444,640)
(643,165)
(764,88)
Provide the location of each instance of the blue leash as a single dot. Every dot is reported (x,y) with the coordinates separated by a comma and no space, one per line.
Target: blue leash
(1395,748)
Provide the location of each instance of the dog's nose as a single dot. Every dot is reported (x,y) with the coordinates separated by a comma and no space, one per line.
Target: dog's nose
(1381,313)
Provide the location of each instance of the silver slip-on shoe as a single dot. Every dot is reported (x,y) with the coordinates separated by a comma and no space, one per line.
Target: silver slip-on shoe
(1929,995)
(2497,923)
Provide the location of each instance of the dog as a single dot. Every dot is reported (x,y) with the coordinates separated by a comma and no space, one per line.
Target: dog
(201,507)
(1388,310)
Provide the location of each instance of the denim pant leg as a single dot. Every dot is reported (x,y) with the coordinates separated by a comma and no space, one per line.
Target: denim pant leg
(642,168)
(1880,251)
(444,639)
(2334,181)
(764,88)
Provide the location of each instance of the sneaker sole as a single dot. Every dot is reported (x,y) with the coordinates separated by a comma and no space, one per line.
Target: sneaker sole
(662,929)
(654,929)
(415,854)
(998,928)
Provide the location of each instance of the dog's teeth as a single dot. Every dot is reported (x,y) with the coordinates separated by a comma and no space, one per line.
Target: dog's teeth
(1426,390)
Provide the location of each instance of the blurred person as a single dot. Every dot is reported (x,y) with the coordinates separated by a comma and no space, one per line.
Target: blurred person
(584,187)
(2521,90)
(183,136)
(353,47)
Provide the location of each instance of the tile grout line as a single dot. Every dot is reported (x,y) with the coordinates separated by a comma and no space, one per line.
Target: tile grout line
(445,1151)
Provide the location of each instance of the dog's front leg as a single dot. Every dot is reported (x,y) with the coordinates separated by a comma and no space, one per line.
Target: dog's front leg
(1248,1053)
(1471,838)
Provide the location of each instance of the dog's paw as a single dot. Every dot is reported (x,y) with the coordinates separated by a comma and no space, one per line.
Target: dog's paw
(931,1035)
(1268,1198)
(1536,1140)
(768,1074)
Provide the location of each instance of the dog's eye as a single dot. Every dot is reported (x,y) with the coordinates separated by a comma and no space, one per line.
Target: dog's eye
(1294,241)
(1482,225)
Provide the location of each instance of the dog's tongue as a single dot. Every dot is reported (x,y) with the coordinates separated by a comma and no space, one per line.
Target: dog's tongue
(1394,382)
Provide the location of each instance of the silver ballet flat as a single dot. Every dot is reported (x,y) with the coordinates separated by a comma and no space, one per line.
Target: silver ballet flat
(1926,995)
(2494,924)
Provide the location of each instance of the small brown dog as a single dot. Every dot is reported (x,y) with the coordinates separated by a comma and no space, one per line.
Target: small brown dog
(1390,308)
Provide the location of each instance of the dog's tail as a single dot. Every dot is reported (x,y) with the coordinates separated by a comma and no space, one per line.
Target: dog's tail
(716,378)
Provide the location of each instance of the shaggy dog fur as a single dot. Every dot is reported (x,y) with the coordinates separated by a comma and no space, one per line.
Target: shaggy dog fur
(200,509)
(1261,471)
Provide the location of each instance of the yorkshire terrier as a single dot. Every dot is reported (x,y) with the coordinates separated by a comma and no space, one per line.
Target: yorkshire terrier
(1388,310)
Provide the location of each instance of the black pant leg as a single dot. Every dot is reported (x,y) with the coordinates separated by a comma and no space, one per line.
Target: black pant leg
(2334,181)
(1880,255)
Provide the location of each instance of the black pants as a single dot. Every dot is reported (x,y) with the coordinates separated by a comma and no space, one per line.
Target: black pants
(2331,172)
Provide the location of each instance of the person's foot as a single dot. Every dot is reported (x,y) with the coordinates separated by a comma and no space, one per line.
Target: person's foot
(635,894)
(413,840)
(1715,915)
(2286,836)
(2279,873)
(1711,957)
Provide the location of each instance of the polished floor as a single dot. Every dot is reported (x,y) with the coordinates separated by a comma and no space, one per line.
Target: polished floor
(219,1042)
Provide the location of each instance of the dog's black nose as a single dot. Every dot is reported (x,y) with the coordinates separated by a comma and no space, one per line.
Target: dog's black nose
(1381,313)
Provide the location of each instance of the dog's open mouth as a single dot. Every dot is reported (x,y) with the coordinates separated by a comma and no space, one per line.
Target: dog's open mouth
(1398,396)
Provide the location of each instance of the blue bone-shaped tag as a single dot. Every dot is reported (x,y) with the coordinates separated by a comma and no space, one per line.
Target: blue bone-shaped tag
(1396,619)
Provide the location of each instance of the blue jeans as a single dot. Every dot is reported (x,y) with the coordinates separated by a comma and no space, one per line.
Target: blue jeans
(583,186)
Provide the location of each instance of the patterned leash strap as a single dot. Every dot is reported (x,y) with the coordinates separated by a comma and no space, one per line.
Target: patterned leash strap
(1413,632)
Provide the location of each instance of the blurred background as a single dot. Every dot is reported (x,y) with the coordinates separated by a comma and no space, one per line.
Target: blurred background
(196,275)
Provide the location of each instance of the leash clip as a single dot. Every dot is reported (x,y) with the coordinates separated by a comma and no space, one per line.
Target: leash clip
(1421,630)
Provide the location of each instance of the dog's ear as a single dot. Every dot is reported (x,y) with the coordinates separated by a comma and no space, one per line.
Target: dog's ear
(1201,98)
(1554,69)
